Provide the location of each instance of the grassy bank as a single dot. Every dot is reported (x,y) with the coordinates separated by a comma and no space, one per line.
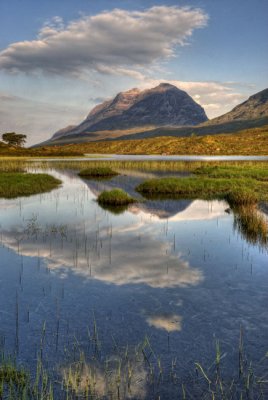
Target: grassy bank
(253,142)
(237,167)
(250,141)
(253,171)
(15,184)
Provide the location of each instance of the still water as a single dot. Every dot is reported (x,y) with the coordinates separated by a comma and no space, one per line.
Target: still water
(133,157)
(174,271)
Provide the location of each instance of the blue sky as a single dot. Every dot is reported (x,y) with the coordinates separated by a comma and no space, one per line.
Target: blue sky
(59,58)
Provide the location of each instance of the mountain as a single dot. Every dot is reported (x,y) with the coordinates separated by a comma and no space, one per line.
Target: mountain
(164,105)
(252,109)
(252,113)
(162,111)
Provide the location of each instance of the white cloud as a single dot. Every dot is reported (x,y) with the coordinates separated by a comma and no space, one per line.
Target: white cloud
(107,42)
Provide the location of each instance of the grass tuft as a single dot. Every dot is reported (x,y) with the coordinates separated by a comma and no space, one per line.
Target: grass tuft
(242,197)
(115,197)
(251,224)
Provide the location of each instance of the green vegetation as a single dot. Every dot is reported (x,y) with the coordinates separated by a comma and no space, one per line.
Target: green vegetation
(244,184)
(242,197)
(235,191)
(242,187)
(15,184)
(115,197)
(101,172)
(254,171)
(187,187)
(13,380)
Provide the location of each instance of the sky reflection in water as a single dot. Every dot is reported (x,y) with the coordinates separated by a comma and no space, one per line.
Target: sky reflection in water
(173,268)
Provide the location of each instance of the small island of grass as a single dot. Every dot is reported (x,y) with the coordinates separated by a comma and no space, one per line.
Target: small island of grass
(115,198)
(98,172)
(235,192)
(191,187)
(16,184)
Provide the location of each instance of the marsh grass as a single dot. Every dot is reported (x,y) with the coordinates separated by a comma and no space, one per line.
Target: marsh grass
(15,184)
(9,163)
(101,172)
(115,197)
(241,198)
(192,187)
(251,224)
(235,192)
(239,184)
(9,373)
(134,372)
(234,171)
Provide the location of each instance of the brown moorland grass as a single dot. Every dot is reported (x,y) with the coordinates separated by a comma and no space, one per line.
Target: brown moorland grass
(247,142)
(252,141)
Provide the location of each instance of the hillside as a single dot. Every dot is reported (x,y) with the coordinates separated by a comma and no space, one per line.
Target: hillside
(245,142)
(252,109)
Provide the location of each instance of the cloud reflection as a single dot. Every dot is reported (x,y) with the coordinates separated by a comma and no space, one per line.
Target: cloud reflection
(120,260)
(169,323)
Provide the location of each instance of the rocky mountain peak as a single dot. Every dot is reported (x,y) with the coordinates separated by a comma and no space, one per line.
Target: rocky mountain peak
(163,105)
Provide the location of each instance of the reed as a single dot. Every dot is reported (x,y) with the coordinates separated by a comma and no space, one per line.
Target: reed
(101,172)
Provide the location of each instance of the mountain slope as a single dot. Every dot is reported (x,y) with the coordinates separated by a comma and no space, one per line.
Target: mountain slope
(164,105)
(252,113)
(255,107)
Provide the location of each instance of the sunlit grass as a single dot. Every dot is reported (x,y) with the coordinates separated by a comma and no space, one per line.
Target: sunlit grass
(115,197)
(15,184)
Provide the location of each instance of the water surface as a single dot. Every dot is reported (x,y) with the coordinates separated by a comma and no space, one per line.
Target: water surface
(175,271)
(130,157)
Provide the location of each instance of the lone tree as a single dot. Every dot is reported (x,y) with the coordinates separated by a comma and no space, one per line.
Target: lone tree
(14,139)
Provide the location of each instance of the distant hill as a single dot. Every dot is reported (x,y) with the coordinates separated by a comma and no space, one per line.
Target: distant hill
(256,107)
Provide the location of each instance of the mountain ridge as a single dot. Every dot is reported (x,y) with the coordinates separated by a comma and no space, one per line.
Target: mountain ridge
(256,106)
